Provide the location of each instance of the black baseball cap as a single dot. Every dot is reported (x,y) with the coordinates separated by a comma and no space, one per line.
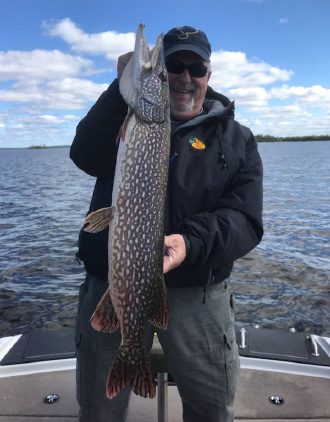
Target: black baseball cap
(187,38)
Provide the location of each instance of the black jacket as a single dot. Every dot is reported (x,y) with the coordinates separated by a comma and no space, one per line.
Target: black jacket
(215,186)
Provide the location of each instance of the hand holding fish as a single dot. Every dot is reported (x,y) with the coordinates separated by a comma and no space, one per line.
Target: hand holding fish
(122,62)
(174,252)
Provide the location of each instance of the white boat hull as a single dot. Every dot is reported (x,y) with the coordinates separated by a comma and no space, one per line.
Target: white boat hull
(305,389)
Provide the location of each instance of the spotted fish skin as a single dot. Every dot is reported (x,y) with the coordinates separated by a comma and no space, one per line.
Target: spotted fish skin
(137,293)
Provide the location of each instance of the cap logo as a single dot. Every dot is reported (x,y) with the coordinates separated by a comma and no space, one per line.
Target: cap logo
(183,35)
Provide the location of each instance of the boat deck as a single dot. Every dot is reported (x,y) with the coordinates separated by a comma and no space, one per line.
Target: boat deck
(306,398)
(273,363)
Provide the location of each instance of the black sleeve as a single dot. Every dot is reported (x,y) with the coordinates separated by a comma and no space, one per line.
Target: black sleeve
(235,227)
(94,147)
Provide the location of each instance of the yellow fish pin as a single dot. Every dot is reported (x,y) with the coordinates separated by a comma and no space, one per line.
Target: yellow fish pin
(197,143)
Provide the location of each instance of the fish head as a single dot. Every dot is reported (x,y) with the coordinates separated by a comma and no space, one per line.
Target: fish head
(144,82)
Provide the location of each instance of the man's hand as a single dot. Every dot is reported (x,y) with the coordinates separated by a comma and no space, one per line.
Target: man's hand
(174,252)
(122,62)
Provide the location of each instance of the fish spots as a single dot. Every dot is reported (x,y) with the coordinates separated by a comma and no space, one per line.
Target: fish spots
(136,236)
(136,233)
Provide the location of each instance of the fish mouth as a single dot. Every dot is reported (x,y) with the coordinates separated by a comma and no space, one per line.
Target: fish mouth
(148,101)
(148,59)
(141,53)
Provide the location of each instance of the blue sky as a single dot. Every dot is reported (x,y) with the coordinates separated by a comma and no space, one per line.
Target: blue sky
(57,56)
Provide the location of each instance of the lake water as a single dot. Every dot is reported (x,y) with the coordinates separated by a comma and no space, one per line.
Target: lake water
(283,283)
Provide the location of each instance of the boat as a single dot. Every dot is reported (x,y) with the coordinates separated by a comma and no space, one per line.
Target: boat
(284,376)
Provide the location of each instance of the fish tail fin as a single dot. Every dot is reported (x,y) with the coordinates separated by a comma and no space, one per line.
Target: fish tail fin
(104,317)
(160,317)
(124,374)
(98,220)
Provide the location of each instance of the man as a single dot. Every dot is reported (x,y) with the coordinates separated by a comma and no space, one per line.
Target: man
(214,217)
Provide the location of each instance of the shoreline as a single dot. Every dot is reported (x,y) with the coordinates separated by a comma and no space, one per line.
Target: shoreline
(258,138)
(312,138)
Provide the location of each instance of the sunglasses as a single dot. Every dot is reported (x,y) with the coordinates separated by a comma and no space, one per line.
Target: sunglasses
(196,70)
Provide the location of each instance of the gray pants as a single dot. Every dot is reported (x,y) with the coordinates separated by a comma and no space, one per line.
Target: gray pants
(200,348)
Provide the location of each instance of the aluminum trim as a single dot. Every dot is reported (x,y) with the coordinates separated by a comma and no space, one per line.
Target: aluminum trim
(285,367)
(37,367)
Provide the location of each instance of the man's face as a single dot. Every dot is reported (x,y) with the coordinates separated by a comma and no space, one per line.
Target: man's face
(187,93)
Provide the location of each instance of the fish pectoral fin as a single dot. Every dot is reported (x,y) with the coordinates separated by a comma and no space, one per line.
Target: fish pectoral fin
(98,220)
(104,317)
(160,317)
(139,377)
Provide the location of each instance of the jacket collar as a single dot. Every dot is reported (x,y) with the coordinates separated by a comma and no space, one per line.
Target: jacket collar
(214,110)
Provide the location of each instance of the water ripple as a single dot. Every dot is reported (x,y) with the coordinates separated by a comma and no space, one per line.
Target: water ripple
(284,282)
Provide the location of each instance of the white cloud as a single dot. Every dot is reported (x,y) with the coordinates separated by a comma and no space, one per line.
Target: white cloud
(252,96)
(47,79)
(289,120)
(65,94)
(234,69)
(283,21)
(54,119)
(44,93)
(29,128)
(110,43)
(264,99)
(40,65)
(315,95)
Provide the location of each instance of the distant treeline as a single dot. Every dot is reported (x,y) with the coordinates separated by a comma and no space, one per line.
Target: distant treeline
(269,138)
(41,146)
(37,146)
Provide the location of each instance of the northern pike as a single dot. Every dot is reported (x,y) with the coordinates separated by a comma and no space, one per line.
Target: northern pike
(136,294)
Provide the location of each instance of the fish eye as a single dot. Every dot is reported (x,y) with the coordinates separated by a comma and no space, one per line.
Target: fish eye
(163,77)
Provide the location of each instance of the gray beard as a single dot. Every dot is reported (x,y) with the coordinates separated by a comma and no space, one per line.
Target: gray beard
(182,108)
